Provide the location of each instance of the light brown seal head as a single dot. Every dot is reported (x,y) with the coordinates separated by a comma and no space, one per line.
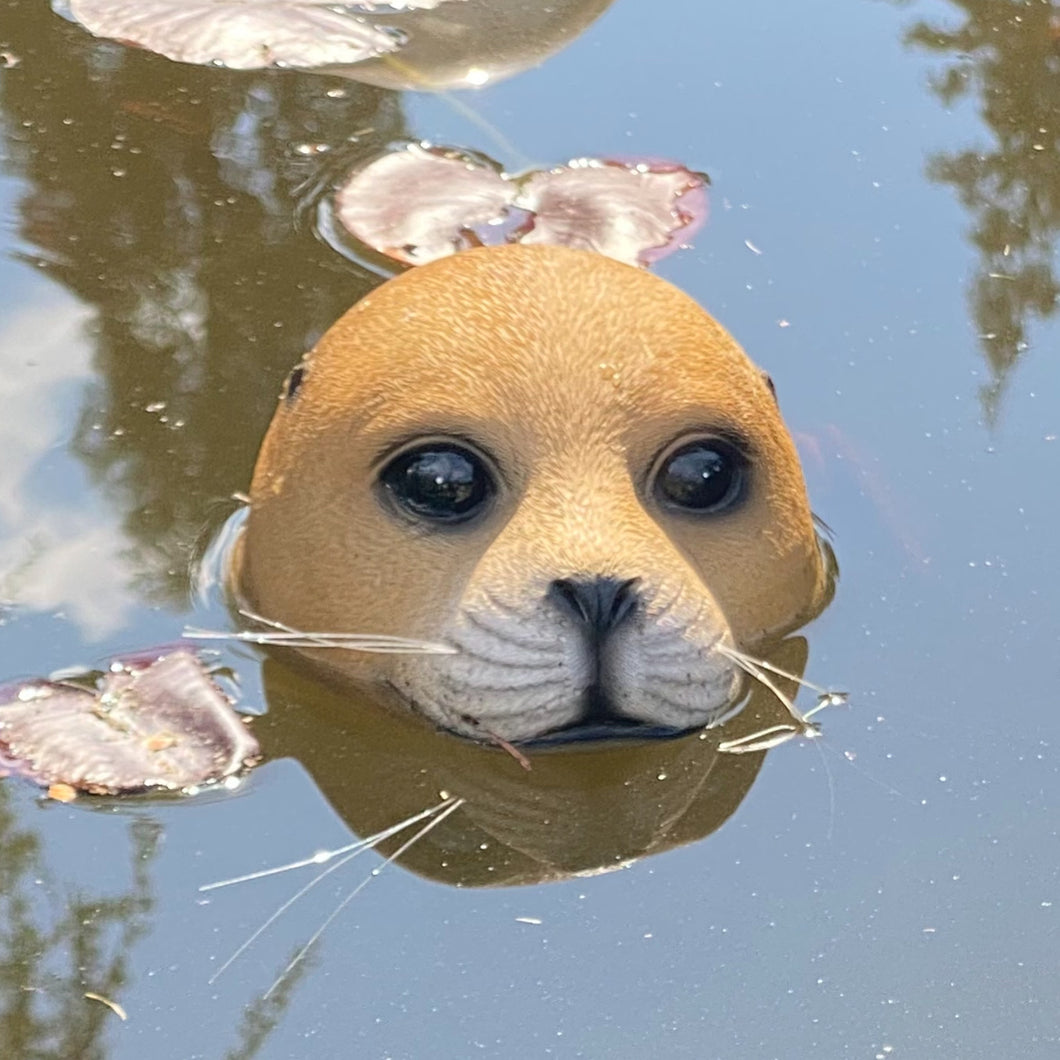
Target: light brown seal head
(557,464)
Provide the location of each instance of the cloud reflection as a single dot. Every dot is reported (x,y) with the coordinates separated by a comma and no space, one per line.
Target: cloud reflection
(60,549)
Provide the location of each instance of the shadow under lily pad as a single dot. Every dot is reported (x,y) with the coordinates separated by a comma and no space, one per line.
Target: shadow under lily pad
(164,725)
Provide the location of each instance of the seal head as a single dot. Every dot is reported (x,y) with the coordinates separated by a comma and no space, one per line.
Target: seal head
(555,463)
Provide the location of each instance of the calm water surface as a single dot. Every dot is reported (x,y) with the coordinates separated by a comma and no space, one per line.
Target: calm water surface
(885,204)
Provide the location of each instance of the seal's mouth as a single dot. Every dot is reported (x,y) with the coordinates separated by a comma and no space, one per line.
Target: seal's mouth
(601,731)
(600,721)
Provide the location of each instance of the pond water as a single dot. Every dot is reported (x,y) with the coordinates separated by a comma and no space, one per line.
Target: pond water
(884,208)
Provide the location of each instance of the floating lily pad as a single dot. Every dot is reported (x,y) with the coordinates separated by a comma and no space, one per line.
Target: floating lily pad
(637,213)
(161,725)
(420,203)
(246,36)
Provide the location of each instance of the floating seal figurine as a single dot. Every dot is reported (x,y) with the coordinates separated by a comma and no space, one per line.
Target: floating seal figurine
(557,464)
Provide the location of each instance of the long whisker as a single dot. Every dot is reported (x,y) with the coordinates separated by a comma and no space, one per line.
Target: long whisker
(350,852)
(777,734)
(323,638)
(830,697)
(279,634)
(300,955)
(763,740)
(363,642)
(321,857)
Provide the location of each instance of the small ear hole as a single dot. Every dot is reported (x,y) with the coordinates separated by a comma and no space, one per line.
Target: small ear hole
(293,381)
(768,380)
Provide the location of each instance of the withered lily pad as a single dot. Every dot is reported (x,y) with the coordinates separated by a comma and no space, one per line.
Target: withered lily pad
(242,35)
(637,213)
(162,725)
(420,203)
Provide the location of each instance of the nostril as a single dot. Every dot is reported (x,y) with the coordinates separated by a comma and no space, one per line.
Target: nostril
(598,603)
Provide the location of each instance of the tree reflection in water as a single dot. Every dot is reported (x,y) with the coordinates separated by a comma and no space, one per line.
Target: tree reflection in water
(52,954)
(165,197)
(1007,52)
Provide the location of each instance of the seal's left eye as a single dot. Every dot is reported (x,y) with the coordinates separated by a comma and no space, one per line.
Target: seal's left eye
(439,481)
(704,476)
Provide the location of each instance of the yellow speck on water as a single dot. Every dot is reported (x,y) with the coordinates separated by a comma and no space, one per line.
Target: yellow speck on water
(62,793)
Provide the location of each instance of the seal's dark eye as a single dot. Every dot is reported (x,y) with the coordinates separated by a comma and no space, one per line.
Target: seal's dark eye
(703,476)
(440,481)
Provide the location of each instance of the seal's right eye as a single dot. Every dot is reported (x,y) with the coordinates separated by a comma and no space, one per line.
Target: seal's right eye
(705,476)
(439,481)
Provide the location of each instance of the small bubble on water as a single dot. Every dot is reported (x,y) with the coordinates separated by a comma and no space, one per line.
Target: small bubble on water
(833,699)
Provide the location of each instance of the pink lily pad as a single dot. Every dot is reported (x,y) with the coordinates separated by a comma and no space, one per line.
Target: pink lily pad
(246,36)
(162,725)
(422,202)
(635,213)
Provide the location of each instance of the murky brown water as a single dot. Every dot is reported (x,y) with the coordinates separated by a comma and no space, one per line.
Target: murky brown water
(885,202)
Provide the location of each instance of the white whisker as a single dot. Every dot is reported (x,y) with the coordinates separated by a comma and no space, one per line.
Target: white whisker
(777,734)
(281,635)
(830,697)
(762,740)
(350,851)
(455,804)
(762,677)
(321,857)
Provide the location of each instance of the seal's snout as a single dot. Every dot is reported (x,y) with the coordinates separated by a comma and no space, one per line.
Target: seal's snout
(598,607)
(597,604)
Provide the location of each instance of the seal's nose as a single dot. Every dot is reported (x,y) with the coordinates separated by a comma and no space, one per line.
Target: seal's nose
(599,604)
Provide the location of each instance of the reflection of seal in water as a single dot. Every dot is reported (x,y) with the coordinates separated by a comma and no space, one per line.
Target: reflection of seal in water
(558,464)
(582,809)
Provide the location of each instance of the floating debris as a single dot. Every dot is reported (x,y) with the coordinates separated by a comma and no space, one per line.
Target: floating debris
(112,1005)
(62,793)
(423,202)
(163,724)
